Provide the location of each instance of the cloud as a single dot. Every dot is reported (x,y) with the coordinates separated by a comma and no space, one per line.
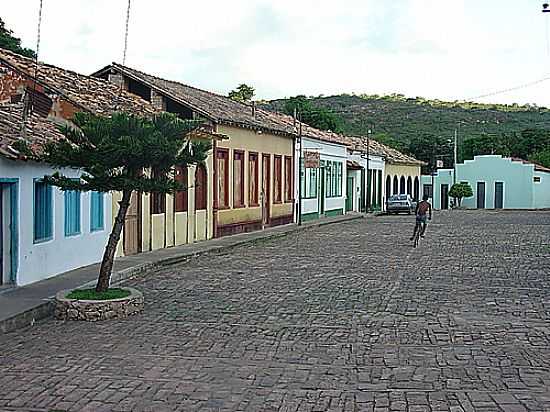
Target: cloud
(433,48)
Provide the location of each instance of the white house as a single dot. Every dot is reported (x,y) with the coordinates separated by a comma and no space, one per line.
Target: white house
(497,183)
(44,231)
(323,187)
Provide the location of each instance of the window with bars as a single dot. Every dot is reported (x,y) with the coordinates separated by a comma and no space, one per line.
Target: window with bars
(253,179)
(333,180)
(43,211)
(222,158)
(289,187)
(238,178)
(97,211)
(277,179)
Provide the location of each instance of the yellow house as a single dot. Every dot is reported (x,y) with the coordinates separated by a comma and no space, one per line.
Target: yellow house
(246,184)
(401,172)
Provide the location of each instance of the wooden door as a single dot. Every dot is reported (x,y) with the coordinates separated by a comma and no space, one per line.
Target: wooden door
(266,188)
(481,195)
(132,226)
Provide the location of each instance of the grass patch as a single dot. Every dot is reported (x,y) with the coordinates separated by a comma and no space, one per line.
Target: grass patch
(91,294)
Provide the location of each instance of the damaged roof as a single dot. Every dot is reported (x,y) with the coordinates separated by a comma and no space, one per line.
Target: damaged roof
(87,92)
(223,110)
(35,131)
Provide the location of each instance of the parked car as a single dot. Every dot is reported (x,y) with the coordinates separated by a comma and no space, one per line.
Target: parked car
(400,203)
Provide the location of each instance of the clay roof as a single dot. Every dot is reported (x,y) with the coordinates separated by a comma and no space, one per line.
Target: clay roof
(37,131)
(89,93)
(376,148)
(538,168)
(223,110)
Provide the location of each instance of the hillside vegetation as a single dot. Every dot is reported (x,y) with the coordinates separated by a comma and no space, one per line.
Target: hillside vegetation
(424,128)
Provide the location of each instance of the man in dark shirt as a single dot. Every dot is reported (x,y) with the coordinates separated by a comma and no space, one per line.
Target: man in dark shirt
(423,208)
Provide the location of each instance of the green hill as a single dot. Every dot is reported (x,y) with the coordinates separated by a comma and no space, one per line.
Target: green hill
(408,123)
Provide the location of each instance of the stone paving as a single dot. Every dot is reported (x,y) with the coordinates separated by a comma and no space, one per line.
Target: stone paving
(346,317)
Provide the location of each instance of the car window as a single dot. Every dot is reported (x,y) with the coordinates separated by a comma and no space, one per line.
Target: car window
(403,197)
(394,197)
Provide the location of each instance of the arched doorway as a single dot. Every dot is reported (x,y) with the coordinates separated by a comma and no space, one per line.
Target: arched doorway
(395,185)
(409,186)
(402,188)
(416,188)
(388,187)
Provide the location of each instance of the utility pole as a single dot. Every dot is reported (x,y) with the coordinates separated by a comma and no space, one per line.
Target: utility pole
(455,155)
(297,116)
(369,180)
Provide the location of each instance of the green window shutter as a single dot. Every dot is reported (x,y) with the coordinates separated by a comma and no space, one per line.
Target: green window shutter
(43,212)
(97,212)
(72,212)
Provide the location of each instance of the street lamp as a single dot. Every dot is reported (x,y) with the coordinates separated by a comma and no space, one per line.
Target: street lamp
(545,8)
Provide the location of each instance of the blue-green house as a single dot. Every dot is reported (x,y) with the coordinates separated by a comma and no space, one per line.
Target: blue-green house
(497,183)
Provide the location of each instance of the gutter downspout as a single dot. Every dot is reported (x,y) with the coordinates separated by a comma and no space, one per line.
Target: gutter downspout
(215,185)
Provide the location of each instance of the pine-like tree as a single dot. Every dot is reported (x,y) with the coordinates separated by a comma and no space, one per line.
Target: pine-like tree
(118,154)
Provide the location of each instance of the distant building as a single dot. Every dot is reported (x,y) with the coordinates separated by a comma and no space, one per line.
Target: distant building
(497,183)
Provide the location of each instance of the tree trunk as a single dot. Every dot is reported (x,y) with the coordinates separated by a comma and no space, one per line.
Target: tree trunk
(459,202)
(104,279)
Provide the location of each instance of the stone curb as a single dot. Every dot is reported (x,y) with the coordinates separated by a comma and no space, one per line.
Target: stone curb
(46,309)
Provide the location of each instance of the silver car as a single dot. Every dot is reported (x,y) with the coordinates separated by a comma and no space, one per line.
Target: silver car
(400,203)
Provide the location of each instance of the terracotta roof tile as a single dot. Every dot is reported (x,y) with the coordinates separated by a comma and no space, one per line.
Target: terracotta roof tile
(37,131)
(378,149)
(90,93)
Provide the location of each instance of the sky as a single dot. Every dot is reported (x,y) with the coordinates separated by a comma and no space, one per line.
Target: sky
(444,49)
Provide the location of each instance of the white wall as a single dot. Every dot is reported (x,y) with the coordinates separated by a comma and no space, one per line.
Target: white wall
(328,152)
(43,260)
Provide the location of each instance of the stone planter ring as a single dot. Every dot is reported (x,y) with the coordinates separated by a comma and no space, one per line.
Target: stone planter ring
(94,310)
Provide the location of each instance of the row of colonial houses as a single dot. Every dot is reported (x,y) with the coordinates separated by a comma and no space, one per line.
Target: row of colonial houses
(259,167)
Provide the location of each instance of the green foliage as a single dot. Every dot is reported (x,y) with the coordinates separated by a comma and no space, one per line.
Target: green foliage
(91,294)
(515,130)
(116,153)
(430,148)
(461,190)
(319,117)
(9,42)
(542,158)
(243,93)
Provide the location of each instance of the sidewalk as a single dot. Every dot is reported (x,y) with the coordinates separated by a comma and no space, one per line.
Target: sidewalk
(20,307)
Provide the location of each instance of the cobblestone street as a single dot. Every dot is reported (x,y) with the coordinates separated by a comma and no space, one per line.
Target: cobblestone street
(346,317)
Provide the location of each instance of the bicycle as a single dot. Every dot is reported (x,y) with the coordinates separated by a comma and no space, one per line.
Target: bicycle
(417,231)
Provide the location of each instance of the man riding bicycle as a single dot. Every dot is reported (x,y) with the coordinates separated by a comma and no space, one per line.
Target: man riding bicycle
(422,209)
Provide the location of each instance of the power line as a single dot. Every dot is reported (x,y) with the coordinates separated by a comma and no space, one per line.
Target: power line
(511,89)
(126,33)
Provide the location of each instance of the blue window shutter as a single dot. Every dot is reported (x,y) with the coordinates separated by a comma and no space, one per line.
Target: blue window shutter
(72,212)
(96,212)
(43,211)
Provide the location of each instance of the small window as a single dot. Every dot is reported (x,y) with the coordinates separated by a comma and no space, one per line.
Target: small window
(536,179)
(72,212)
(96,212)
(43,211)
(289,187)
(238,178)
(277,180)
(253,179)
(181,197)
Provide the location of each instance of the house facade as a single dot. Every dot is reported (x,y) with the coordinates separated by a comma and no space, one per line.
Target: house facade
(497,183)
(247,182)
(38,221)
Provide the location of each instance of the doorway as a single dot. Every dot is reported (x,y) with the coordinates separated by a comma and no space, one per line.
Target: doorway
(481,195)
(9,238)
(350,194)
(499,195)
(444,197)
(322,191)
(266,188)
(132,226)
